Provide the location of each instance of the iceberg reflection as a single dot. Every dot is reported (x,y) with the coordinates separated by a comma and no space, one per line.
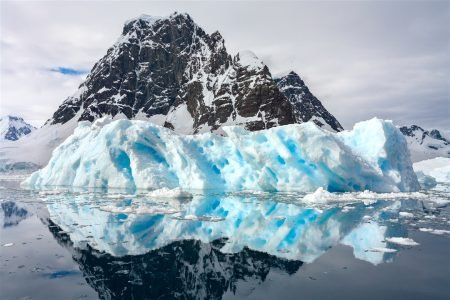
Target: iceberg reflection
(137,225)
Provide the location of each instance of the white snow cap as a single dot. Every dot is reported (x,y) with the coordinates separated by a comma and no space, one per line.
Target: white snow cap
(153,19)
(249,59)
(146,18)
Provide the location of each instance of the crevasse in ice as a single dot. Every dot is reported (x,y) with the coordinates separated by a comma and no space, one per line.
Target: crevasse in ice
(301,157)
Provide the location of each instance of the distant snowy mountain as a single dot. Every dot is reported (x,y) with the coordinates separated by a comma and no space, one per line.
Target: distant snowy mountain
(426,144)
(35,149)
(13,128)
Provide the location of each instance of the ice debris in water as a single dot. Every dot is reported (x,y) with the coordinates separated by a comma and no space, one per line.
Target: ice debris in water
(402,241)
(175,193)
(382,250)
(426,182)
(298,157)
(368,197)
(435,231)
(405,214)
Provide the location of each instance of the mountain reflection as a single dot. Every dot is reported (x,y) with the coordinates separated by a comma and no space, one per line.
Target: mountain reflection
(186,269)
(13,214)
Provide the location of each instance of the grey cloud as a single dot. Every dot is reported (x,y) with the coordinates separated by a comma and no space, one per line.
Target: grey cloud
(362,59)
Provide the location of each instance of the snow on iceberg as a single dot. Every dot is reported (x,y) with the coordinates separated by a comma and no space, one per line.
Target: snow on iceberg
(298,157)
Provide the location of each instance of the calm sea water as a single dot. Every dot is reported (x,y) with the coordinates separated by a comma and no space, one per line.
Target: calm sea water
(90,245)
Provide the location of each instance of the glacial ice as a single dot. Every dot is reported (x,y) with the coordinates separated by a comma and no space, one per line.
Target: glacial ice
(300,157)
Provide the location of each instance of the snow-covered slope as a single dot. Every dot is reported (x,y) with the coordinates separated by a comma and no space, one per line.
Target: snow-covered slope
(35,149)
(13,128)
(425,144)
(438,168)
(135,154)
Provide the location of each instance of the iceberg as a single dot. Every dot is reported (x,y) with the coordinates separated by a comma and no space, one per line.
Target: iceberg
(132,154)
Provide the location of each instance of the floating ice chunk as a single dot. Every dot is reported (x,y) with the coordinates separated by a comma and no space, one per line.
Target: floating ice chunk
(435,231)
(426,182)
(321,195)
(367,197)
(175,193)
(405,214)
(140,210)
(402,241)
(119,196)
(301,157)
(201,218)
(383,250)
(8,245)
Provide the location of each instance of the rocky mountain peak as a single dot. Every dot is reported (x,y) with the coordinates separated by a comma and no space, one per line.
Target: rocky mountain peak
(170,71)
(145,21)
(306,106)
(292,81)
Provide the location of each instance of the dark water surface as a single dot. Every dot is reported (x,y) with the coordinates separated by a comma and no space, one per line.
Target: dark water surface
(86,245)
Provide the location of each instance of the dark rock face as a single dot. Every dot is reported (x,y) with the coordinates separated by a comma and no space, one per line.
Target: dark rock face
(143,71)
(170,68)
(13,128)
(305,105)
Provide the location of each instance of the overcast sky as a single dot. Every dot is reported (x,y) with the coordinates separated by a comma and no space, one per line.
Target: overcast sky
(360,58)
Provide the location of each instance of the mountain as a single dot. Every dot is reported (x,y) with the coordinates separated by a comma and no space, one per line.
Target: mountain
(305,105)
(170,71)
(426,144)
(13,128)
